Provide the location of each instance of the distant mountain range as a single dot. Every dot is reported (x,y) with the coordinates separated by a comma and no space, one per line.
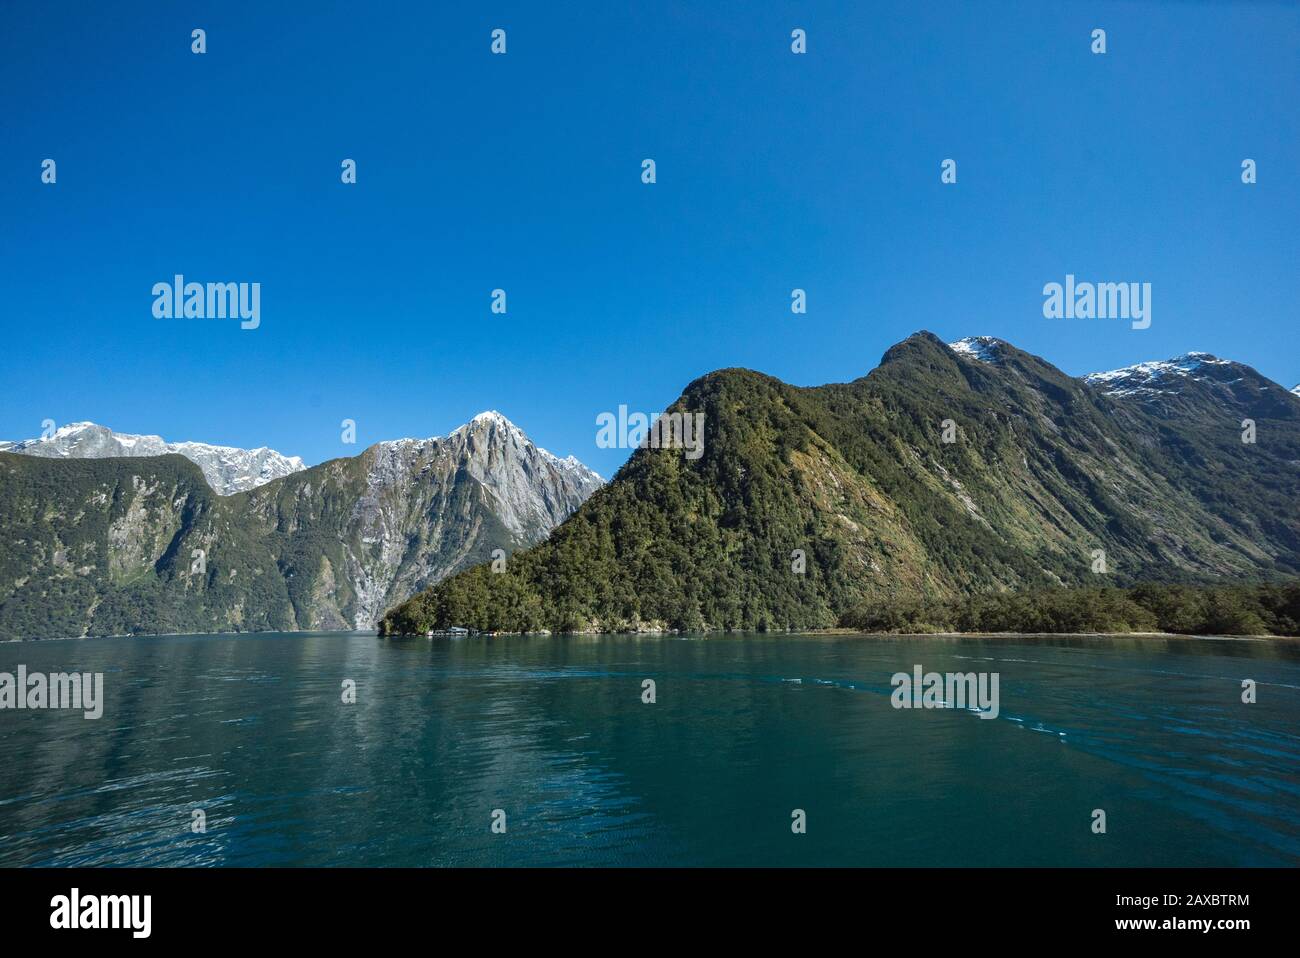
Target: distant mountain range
(228,470)
(810,503)
(108,533)
(134,543)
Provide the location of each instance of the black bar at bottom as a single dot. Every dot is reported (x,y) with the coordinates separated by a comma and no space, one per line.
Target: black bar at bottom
(916,906)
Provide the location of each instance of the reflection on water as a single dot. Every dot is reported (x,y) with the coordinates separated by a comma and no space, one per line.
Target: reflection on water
(553,730)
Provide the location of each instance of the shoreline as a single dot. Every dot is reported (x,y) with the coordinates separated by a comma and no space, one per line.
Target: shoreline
(1077,635)
(814,633)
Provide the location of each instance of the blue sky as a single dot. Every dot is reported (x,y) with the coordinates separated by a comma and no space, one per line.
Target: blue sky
(775,171)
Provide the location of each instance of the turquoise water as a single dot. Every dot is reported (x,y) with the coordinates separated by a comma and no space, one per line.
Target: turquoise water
(553,732)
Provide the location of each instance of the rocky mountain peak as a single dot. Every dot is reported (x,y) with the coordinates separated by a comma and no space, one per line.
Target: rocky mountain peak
(485,431)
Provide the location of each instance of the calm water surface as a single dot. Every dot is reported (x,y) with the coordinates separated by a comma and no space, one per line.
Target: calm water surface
(252,730)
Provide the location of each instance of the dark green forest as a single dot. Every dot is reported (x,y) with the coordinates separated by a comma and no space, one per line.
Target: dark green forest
(1270,609)
(842,504)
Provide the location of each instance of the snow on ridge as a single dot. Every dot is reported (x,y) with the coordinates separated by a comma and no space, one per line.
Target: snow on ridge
(230,469)
(227,469)
(570,464)
(982,348)
(1153,375)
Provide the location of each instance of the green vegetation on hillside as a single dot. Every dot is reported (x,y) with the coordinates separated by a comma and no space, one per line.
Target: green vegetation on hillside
(1269,609)
(1046,473)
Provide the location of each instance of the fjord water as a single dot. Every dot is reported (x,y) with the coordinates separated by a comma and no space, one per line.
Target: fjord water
(552,730)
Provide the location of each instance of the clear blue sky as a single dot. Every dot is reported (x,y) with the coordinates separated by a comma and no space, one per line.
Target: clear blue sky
(522,171)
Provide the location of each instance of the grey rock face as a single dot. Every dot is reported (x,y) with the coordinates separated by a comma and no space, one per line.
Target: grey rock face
(483,487)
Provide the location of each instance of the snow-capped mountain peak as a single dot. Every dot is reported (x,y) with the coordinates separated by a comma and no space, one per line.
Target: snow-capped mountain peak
(227,469)
(983,348)
(1295,390)
(490,417)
